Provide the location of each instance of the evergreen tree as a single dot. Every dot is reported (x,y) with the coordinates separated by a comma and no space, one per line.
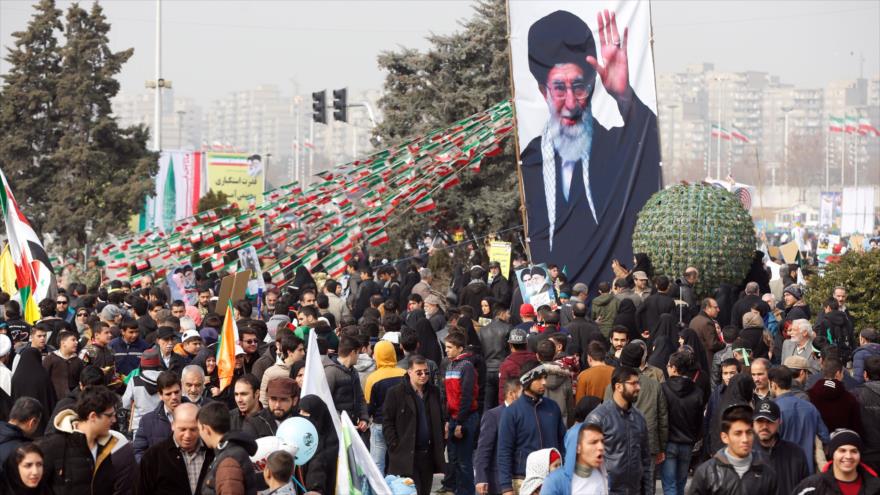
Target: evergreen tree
(459,75)
(102,172)
(28,112)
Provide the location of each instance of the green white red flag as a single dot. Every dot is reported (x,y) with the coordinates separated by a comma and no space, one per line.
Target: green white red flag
(835,124)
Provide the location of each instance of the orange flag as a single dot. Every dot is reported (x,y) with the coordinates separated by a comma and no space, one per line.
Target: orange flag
(226,349)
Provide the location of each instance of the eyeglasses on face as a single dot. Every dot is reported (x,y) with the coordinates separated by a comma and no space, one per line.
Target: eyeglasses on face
(420,372)
(82,315)
(250,341)
(578,88)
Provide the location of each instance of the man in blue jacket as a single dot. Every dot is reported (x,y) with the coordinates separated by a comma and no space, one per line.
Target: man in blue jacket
(531,423)
(584,467)
(485,459)
(627,452)
(155,426)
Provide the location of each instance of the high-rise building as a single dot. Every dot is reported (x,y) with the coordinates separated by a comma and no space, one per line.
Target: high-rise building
(181,117)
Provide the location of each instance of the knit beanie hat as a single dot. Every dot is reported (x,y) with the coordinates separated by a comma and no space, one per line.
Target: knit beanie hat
(150,359)
(795,291)
(841,437)
(631,355)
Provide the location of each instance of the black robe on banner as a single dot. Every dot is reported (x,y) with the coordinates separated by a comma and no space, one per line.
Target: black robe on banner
(624,172)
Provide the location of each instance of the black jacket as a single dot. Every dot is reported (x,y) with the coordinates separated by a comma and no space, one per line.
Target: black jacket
(473,293)
(648,314)
(753,338)
(162,471)
(825,484)
(236,420)
(500,289)
(583,331)
(788,461)
(685,409)
(869,407)
(153,428)
(493,340)
(399,427)
(717,477)
(262,424)
(743,306)
(835,327)
(366,289)
(11,437)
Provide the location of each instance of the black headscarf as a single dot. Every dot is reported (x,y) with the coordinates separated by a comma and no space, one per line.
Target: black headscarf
(692,340)
(664,341)
(12,483)
(32,380)
(758,273)
(643,264)
(295,367)
(319,474)
(303,279)
(626,316)
(740,390)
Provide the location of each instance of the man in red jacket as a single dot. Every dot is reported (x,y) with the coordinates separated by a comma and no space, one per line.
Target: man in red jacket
(519,355)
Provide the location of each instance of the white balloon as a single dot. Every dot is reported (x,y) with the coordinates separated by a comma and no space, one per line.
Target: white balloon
(301,434)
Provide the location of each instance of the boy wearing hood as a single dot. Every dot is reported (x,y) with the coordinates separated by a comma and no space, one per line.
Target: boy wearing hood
(376,387)
(232,471)
(584,467)
(85,456)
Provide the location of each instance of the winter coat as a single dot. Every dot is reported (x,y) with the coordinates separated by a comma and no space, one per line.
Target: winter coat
(64,373)
(627,453)
(142,391)
(527,425)
(583,332)
(510,368)
(69,467)
(801,424)
(379,382)
(154,428)
(825,484)
(11,437)
(753,338)
(262,423)
(127,356)
(474,292)
(648,313)
(839,409)
(787,460)
(559,389)
(462,389)
(684,403)
(604,309)
(869,409)
(236,419)
(366,289)
(486,455)
(500,289)
(652,404)
(493,340)
(345,387)
(798,311)
(231,472)
(717,477)
(743,306)
(858,358)
(399,427)
(593,382)
(705,328)
(835,327)
(163,471)
(559,481)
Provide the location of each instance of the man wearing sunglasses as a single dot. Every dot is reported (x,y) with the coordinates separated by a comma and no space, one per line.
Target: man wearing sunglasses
(413,427)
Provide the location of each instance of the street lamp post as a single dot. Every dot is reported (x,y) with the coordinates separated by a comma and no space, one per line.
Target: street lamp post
(785,110)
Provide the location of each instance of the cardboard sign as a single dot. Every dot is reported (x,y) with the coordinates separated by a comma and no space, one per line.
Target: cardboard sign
(790,252)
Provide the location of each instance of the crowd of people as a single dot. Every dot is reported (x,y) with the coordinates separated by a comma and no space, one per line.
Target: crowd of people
(115,389)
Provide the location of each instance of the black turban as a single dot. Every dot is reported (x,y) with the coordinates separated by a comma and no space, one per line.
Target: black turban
(560,38)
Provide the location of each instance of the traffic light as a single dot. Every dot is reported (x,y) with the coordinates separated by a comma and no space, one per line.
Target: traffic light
(340,104)
(319,107)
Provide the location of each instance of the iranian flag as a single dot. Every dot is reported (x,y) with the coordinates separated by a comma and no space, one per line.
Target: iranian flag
(425,204)
(865,127)
(835,124)
(334,264)
(739,135)
(852,125)
(718,131)
(450,181)
(34,278)
(378,237)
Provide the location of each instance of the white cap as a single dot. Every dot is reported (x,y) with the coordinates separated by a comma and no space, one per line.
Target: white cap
(393,337)
(5,345)
(191,334)
(239,351)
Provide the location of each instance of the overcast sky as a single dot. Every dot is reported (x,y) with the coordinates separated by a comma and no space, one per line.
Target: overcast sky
(213,47)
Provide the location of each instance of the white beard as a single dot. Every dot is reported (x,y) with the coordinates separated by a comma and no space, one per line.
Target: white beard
(569,141)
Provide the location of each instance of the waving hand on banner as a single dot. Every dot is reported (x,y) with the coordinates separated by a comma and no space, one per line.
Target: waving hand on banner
(615,72)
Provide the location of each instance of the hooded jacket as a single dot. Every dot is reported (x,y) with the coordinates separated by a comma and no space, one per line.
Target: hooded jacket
(858,359)
(510,368)
(345,387)
(627,454)
(379,382)
(839,409)
(685,407)
(232,471)
(835,327)
(869,407)
(11,437)
(604,309)
(559,482)
(717,477)
(527,425)
(559,388)
(69,467)
(141,396)
(825,484)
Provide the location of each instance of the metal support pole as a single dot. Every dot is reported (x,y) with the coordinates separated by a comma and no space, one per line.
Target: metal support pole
(157,111)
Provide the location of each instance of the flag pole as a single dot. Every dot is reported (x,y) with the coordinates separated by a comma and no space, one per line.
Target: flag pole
(519,176)
(826,159)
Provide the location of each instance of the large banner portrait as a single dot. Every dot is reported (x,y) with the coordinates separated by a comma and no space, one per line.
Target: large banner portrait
(535,286)
(586,114)
(239,175)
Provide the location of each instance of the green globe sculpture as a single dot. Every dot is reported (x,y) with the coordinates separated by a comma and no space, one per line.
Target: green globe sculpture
(696,225)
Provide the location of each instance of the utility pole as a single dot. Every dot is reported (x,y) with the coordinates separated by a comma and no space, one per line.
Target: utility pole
(312,147)
(785,146)
(157,111)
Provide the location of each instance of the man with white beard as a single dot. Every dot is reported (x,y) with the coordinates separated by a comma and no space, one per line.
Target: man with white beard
(584,183)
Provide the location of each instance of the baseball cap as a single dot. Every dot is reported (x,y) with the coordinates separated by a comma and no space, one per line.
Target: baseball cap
(527,310)
(767,409)
(796,363)
(517,336)
(239,351)
(191,334)
(640,275)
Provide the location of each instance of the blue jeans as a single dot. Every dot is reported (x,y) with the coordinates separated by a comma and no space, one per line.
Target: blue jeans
(461,455)
(378,448)
(674,470)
